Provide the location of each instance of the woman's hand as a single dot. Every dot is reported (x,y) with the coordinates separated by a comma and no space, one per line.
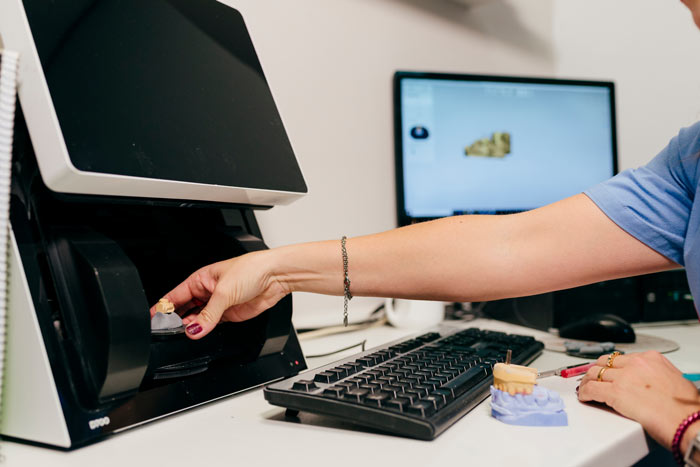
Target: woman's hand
(647,388)
(234,290)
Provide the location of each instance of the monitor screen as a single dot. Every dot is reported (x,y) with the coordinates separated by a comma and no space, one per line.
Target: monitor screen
(160,90)
(468,144)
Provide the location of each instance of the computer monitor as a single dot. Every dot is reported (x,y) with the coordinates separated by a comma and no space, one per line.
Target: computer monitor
(149,99)
(472,144)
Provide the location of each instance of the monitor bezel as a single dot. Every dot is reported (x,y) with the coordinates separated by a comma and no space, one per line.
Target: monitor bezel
(402,217)
(56,168)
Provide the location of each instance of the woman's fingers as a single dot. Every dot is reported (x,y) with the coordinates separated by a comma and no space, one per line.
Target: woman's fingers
(601,374)
(607,374)
(619,361)
(603,392)
(597,385)
(209,316)
(193,291)
(221,292)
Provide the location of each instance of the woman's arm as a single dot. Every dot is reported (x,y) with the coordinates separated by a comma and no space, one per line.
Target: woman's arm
(464,258)
(476,258)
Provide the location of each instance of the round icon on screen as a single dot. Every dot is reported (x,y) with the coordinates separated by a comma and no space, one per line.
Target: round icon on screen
(419,132)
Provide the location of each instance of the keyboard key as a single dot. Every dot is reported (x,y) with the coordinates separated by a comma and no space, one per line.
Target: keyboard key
(403,384)
(378,357)
(424,387)
(397,403)
(356,395)
(304,385)
(414,379)
(370,387)
(409,357)
(446,362)
(334,391)
(382,369)
(383,356)
(413,397)
(366,361)
(338,371)
(417,392)
(421,408)
(440,376)
(395,391)
(364,377)
(452,372)
(355,382)
(349,369)
(326,377)
(355,367)
(471,361)
(437,401)
(444,393)
(466,381)
(490,362)
(377,399)
(432,383)
(346,385)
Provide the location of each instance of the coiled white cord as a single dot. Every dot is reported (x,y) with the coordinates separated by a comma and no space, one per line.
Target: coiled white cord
(8,93)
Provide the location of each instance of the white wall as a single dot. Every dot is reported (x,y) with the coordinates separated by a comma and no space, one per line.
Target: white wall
(330,62)
(651,49)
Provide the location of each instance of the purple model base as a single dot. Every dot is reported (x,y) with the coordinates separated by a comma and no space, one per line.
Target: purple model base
(541,408)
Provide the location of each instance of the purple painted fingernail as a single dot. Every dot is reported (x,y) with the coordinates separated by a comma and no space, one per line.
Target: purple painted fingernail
(193,329)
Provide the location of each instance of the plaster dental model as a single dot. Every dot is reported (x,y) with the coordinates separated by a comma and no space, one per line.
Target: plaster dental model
(517,400)
(165,321)
(164,306)
(514,378)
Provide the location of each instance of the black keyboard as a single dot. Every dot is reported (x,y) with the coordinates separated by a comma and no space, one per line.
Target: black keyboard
(415,387)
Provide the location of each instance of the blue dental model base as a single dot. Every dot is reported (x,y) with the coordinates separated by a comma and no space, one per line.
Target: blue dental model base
(541,408)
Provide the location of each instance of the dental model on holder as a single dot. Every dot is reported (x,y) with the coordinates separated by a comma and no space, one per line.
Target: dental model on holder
(165,321)
(517,400)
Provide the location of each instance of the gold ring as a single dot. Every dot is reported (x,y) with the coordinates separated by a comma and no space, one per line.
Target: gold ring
(600,373)
(611,358)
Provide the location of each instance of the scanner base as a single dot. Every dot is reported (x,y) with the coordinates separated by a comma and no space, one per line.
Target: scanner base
(100,369)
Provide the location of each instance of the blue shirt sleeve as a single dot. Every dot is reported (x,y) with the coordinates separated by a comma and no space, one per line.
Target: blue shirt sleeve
(653,203)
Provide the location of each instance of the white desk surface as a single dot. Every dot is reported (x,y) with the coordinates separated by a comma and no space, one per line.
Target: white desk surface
(245,430)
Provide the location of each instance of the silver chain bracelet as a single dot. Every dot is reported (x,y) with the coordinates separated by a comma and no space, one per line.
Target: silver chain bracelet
(346,281)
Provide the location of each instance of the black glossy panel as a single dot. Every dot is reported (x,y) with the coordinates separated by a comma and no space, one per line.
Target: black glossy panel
(168,89)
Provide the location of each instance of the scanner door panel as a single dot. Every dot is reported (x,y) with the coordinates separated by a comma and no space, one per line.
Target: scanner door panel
(106,307)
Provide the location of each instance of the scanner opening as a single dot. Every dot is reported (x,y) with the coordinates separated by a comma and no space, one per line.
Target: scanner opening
(112,262)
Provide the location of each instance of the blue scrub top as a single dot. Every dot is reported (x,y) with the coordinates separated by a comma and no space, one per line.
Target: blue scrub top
(655,203)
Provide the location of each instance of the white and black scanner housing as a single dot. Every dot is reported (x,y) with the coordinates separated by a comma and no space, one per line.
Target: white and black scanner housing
(146,135)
